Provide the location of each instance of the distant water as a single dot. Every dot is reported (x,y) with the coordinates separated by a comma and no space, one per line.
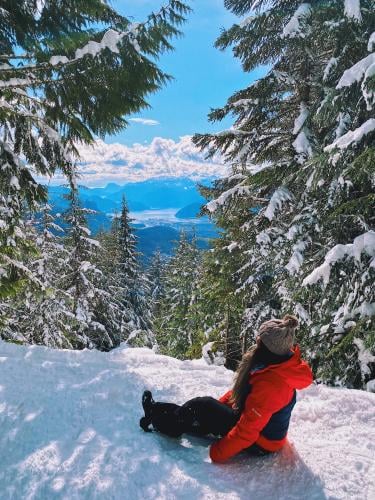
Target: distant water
(164,217)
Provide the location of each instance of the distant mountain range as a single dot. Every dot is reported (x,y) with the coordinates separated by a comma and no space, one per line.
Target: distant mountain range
(160,209)
(153,194)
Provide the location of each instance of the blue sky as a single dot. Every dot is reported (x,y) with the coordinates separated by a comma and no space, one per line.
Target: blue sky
(204,76)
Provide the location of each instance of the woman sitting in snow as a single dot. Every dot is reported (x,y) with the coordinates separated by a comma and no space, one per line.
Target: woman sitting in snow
(255,414)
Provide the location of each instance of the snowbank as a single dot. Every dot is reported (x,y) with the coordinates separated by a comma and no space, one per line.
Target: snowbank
(69,430)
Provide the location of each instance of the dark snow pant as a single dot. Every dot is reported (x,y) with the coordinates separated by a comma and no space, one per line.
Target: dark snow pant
(200,416)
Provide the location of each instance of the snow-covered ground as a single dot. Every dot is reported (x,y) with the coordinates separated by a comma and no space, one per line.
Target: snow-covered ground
(69,429)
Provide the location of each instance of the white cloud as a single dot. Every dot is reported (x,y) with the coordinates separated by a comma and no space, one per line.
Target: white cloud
(104,163)
(144,121)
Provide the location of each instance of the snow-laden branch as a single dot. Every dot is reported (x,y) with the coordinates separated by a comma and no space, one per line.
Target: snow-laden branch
(365,243)
(352,9)
(232,132)
(223,199)
(279,197)
(356,73)
(110,40)
(330,65)
(296,260)
(365,357)
(363,70)
(353,136)
(21,267)
(301,143)
(239,190)
(293,28)
(371,42)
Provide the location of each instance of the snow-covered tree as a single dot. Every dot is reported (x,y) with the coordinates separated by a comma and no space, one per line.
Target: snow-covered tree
(41,314)
(271,139)
(126,281)
(155,276)
(91,303)
(301,150)
(176,321)
(219,305)
(131,283)
(68,71)
(338,275)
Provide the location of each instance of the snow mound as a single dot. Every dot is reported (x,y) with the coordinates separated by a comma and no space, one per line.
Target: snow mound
(69,430)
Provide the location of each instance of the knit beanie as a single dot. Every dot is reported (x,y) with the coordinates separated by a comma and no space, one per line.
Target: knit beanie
(278,334)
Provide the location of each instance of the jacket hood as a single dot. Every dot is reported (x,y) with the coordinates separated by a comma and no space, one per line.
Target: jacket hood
(296,372)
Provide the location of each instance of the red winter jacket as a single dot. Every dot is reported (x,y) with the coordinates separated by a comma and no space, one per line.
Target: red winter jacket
(272,392)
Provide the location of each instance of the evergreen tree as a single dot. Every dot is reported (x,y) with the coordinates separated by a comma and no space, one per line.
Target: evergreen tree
(41,313)
(68,71)
(337,281)
(91,303)
(176,321)
(126,281)
(220,307)
(155,276)
(289,127)
(270,140)
(132,283)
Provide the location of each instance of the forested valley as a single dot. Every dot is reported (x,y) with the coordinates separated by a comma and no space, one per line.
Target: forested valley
(295,214)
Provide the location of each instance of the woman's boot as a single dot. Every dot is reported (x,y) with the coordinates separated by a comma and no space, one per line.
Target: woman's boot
(147,403)
(164,417)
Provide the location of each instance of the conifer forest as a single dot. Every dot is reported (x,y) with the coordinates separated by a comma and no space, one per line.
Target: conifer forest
(295,213)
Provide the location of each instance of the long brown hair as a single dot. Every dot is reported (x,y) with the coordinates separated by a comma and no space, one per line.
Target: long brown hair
(258,355)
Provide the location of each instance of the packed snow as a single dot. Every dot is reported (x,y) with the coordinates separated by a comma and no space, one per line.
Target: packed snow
(69,423)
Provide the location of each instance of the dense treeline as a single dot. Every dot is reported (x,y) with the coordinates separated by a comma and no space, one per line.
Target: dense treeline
(297,212)
(82,292)
(70,71)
